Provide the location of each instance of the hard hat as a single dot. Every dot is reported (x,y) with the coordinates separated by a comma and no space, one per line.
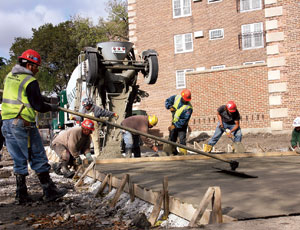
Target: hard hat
(32,56)
(152,120)
(88,124)
(231,106)
(87,101)
(296,122)
(186,94)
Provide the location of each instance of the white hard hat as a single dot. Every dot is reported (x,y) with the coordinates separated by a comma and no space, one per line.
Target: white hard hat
(296,122)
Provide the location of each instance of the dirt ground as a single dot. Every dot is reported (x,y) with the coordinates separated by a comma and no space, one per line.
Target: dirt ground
(80,209)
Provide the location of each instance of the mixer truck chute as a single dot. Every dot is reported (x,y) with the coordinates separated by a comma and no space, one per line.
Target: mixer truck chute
(108,75)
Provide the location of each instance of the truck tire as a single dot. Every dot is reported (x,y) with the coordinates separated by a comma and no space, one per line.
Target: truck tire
(151,70)
(92,75)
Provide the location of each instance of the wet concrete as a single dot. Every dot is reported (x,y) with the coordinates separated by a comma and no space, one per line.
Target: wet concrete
(274,193)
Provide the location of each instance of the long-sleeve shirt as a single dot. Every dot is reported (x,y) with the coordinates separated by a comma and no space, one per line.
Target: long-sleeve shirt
(74,140)
(185,115)
(33,91)
(295,141)
(140,123)
(98,112)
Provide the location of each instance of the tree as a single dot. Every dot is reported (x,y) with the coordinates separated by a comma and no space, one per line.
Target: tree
(116,26)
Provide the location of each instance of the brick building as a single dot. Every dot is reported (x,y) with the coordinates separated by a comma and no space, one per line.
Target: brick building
(242,50)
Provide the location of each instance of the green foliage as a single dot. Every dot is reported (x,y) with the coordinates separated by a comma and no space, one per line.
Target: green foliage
(59,45)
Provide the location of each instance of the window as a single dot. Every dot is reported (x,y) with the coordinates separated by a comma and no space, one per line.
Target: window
(183,43)
(214,67)
(212,1)
(181,8)
(216,34)
(180,78)
(252,36)
(249,5)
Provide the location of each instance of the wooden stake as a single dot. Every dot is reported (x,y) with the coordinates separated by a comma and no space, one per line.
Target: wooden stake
(77,171)
(80,181)
(131,189)
(119,191)
(216,214)
(110,182)
(102,186)
(166,198)
(156,209)
(202,206)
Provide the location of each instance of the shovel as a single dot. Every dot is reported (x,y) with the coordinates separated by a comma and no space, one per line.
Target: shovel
(238,147)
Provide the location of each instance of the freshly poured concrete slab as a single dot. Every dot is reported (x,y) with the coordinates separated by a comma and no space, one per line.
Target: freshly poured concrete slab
(274,192)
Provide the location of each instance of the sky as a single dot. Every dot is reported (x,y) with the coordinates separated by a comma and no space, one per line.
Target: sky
(18,17)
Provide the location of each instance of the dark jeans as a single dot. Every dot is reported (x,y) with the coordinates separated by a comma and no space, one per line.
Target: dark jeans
(178,133)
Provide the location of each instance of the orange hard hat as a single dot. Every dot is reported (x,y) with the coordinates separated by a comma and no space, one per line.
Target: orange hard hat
(186,94)
(231,106)
(32,56)
(88,124)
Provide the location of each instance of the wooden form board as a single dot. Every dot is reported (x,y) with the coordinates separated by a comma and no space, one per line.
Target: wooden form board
(179,208)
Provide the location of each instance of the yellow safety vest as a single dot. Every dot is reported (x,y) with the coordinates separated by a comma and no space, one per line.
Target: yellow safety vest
(181,109)
(15,101)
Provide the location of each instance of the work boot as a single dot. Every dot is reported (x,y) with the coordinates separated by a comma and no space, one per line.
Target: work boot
(50,191)
(65,170)
(136,152)
(182,151)
(57,168)
(207,148)
(21,191)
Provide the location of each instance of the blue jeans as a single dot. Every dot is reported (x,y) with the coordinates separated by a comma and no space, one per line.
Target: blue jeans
(16,137)
(218,133)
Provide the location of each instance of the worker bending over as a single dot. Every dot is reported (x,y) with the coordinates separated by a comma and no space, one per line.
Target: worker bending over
(295,141)
(69,144)
(229,118)
(21,99)
(141,123)
(181,109)
(88,107)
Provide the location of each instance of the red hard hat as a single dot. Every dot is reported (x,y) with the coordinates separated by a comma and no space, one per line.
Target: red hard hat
(231,106)
(88,124)
(32,56)
(186,95)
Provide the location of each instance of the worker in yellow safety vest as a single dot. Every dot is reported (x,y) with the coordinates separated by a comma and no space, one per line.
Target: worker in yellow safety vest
(21,99)
(181,109)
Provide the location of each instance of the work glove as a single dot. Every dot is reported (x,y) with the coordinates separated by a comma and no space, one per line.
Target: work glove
(116,116)
(89,157)
(154,148)
(172,109)
(229,134)
(170,128)
(78,161)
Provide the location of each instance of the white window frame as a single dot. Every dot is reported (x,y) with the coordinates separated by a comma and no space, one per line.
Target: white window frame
(251,29)
(181,79)
(213,1)
(182,43)
(185,10)
(215,67)
(251,4)
(214,31)
(253,62)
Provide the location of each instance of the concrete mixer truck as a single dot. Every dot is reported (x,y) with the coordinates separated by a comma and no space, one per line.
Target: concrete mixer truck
(108,75)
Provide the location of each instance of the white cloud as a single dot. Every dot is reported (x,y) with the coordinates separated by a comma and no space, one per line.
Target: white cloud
(17,17)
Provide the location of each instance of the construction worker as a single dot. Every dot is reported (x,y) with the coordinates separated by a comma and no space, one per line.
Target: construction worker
(1,136)
(70,143)
(21,99)
(141,123)
(295,141)
(229,119)
(88,107)
(181,109)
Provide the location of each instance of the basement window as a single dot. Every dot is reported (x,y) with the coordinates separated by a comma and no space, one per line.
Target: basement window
(253,62)
(180,78)
(216,34)
(213,1)
(215,67)
(183,43)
